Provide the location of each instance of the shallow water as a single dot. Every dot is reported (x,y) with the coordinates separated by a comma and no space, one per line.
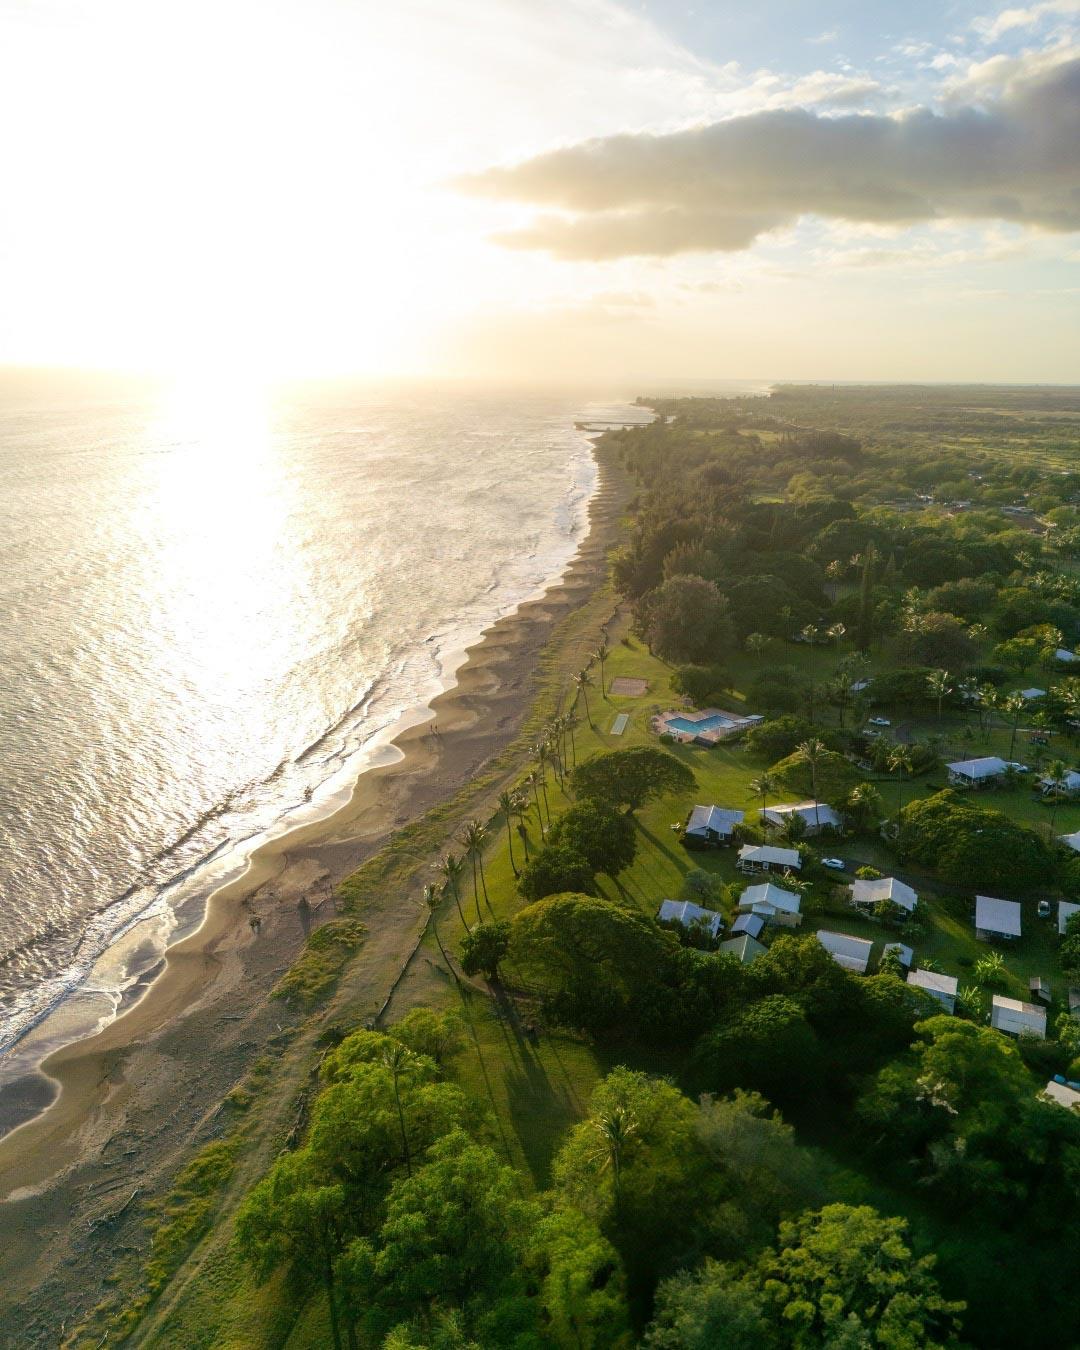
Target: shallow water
(212,603)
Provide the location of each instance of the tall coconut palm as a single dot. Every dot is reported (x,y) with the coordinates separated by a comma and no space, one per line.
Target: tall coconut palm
(568,725)
(397,1058)
(615,1129)
(900,763)
(764,785)
(937,682)
(811,753)
(583,681)
(1013,708)
(473,838)
(600,656)
(836,631)
(540,750)
(507,807)
(451,868)
(864,802)
(531,782)
(1057,775)
(757,644)
(432,899)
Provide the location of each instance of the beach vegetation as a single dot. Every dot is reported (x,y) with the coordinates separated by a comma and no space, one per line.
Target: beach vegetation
(314,974)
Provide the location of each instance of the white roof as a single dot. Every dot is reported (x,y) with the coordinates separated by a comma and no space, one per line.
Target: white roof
(906,954)
(1009,1014)
(1033,693)
(1063,654)
(997,916)
(745,947)
(722,819)
(687,913)
(933,982)
(1062,1094)
(765,853)
(850,952)
(1066,909)
(1071,781)
(989,766)
(885,888)
(1072,840)
(814,813)
(767,897)
(859,686)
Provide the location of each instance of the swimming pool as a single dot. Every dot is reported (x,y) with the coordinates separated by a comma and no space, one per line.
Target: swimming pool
(692,728)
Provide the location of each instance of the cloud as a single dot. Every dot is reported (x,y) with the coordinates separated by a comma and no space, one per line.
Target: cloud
(829,35)
(1010,19)
(1010,154)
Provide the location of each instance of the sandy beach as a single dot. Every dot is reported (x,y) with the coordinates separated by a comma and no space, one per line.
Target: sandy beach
(134,1098)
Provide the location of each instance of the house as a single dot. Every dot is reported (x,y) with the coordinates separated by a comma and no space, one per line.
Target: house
(748,923)
(1016,1018)
(712,825)
(773,904)
(860,686)
(1071,841)
(866,894)
(1038,988)
(1070,783)
(850,952)
(818,816)
(1066,909)
(1074,1002)
(976,772)
(996,918)
(1063,654)
(1032,694)
(941,987)
(686,913)
(745,947)
(764,858)
(1061,1093)
(905,955)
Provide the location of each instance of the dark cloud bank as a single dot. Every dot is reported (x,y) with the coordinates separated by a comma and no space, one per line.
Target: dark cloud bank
(718,187)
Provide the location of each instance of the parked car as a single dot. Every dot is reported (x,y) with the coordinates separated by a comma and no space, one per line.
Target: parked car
(1020,768)
(838,863)
(1044,909)
(880,722)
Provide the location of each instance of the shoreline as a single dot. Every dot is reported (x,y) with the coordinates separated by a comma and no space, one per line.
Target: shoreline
(134,1097)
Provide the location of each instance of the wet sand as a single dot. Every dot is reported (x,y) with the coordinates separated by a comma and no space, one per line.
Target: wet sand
(133,1098)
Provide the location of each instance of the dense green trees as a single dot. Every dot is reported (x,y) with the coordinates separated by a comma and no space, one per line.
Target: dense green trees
(556,868)
(630,778)
(483,949)
(686,619)
(600,834)
(974,846)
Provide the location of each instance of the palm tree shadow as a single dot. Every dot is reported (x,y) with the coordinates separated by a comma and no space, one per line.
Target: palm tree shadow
(660,845)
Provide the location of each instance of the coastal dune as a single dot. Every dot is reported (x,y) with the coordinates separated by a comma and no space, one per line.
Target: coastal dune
(133,1099)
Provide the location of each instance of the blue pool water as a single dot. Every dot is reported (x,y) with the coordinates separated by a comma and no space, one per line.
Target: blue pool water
(684,724)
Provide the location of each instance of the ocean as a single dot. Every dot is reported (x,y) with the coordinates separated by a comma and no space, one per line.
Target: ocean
(217,605)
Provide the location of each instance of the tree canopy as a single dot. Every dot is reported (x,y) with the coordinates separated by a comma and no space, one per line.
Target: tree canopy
(630,778)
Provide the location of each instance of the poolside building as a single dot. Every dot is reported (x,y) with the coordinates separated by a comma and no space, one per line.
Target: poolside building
(702,728)
(773,904)
(996,919)
(866,894)
(932,982)
(765,858)
(1016,1018)
(976,773)
(817,815)
(712,825)
(851,953)
(688,915)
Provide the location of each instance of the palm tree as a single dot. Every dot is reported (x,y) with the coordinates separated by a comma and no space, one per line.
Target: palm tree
(1014,707)
(432,899)
(452,867)
(530,781)
(568,723)
(615,1129)
(899,761)
(1057,775)
(811,752)
(396,1057)
(865,803)
(540,750)
(601,655)
(507,806)
(757,644)
(764,784)
(583,680)
(473,839)
(937,682)
(836,631)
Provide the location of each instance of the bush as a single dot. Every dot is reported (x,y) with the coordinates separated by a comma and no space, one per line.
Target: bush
(325,954)
(868,874)
(778,737)
(777,689)
(556,869)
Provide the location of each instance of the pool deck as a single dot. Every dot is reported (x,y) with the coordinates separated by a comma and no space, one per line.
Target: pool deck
(733,725)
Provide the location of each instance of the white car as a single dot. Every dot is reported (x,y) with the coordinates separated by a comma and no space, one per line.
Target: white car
(880,722)
(838,863)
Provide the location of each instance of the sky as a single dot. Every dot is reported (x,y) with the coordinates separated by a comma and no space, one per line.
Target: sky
(641,194)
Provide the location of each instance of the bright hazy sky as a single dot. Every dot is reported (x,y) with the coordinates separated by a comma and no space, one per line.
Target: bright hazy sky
(543,189)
